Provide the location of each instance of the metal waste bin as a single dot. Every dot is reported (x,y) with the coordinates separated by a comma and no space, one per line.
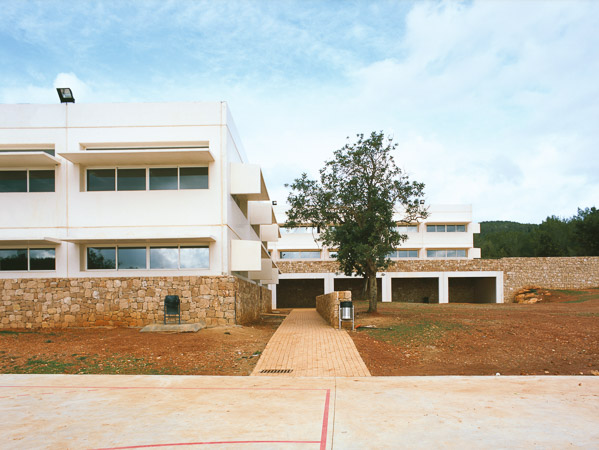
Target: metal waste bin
(172,308)
(346,312)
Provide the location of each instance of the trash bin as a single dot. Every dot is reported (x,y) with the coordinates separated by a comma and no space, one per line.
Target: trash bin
(346,312)
(172,308)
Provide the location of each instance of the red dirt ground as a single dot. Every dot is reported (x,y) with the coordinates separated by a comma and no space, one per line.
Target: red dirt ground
(559,336)
(212,351)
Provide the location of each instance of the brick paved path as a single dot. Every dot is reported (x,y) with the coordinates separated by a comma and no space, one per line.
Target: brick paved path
(304,345)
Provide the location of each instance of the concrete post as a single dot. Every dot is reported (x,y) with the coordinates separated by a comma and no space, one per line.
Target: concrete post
(443,288)
(386,288)
(329,283)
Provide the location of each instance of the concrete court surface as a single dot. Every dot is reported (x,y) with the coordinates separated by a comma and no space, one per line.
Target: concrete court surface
(121,411)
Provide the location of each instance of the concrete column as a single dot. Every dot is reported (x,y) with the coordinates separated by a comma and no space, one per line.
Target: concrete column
(499,288)
(443,288)
(329,283)
(273,290)
(386,288)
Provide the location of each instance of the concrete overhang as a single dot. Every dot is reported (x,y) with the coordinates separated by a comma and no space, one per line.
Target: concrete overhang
(141,240)
(139,156)
(48,241)
(247,182)
(28,159)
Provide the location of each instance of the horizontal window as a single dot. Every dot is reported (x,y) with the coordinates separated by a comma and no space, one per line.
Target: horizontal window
(300,255)
(20,150)
(298,230)
(446,253)
(403,229)
(403,254)
(445,228)
(160,179)
(24,259)
(27,180)
(167,257)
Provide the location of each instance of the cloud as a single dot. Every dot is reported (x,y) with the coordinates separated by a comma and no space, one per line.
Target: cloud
(492,103)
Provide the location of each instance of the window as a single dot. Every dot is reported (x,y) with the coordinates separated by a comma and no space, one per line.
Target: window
(171,178)
(163,179)
(101,258)
(446,253)
(131,179)
(298,230)
(445,228)
(100,179)
(193,177)
(28,259)
(403,254)
(304,254)
(129,258)
(403,229)
(27,180)
(132,258)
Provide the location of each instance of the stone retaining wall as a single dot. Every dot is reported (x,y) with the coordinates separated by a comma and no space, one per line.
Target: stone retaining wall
(82,302)
(327,305)
(551,273)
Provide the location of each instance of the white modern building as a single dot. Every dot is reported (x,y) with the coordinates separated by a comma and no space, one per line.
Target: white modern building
(130,190)
(419,272)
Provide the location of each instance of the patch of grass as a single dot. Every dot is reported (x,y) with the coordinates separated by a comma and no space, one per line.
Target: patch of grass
(9,332)
(587,314)
(47,366)
(422,331)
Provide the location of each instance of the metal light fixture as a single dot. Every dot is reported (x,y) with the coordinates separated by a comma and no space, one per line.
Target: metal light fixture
(65,95)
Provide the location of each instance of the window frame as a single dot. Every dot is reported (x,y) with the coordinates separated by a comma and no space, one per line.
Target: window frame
(28,182)
(28,250)
(147,177)
(147,248)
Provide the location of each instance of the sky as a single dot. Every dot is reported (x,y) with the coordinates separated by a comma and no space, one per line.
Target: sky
(490,103)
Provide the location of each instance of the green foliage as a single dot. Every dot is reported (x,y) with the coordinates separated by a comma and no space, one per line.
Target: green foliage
(354,203)
(422,331)
(555,236)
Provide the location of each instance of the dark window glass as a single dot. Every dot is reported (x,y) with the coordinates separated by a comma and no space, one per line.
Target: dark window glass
(164,258)
(461,253)
(461,228)
(13,181)
(131,179)
(431,228)
(163,179)
(101,258)
(450,228)
(132,258)
(100,179)
(13,259)
(41,181)
(42,259)
(290,255)
(193,177)
(440,228)
(195,258)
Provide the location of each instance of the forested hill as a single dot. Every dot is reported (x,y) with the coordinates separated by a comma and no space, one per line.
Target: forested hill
(575,236)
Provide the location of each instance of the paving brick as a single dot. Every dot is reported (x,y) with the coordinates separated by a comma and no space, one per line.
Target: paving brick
(305,344)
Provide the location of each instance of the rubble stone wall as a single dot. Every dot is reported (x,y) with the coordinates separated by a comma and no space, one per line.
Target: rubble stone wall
(327,305)
(551,273)
(251,301)
(83,302)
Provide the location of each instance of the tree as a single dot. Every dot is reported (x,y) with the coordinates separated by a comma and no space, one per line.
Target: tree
(355,204)
(586,230)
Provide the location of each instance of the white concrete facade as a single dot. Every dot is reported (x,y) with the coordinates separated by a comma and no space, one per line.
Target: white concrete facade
(452,238)
(203,202)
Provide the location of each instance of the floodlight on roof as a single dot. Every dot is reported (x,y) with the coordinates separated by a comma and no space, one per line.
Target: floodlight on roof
(65,95)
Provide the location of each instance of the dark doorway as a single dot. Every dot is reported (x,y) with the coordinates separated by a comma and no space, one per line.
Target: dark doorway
(294,293)
(415,290)
(472,290)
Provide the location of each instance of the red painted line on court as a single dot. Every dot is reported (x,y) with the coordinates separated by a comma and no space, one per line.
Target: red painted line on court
(325,421)
(207,443)
(165,388)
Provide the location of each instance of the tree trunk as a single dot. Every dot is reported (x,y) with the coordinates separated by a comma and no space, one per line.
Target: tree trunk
(372,292)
